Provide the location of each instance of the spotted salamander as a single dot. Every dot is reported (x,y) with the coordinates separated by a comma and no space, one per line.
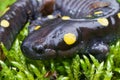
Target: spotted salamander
(60,28)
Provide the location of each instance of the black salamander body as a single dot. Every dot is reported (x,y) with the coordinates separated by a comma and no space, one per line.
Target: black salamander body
(75,25)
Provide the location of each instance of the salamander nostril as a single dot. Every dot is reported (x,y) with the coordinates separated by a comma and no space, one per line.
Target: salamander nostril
(38,48)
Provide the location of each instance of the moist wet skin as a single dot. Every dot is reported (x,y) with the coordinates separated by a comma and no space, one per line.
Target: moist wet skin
(93,26)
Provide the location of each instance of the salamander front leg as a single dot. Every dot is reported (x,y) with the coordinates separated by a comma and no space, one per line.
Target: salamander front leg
(98,49)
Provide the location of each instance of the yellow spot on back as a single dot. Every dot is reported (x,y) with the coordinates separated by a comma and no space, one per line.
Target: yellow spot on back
(103,21)
(118,15)
(69,38)
(37,27)
(50,17)
(4,23)
(98,12)
(65,18)
(89,16)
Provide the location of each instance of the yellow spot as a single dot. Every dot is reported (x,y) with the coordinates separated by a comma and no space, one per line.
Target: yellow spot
(50,17)
(37,27)
(118,15)
(98,12)
(89,16)
(69,38)
(65,18)
(4,23)
(103,21)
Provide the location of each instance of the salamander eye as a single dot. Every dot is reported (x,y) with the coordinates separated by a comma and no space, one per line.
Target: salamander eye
(69,38)
(103,21)
(38,48)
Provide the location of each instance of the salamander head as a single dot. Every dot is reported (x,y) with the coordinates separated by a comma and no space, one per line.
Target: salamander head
(50,43)
(34,46)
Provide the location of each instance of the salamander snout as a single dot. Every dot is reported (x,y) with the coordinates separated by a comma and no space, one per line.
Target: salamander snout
(37,51)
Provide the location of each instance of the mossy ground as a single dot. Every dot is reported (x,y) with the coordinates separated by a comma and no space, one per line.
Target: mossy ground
(18,67)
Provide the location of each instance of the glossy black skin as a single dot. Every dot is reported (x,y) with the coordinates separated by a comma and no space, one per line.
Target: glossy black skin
(48,43)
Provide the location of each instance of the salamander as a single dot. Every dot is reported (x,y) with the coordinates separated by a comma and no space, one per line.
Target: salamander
(60,28)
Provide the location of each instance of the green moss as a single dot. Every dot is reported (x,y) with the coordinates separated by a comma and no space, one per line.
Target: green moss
(4,4)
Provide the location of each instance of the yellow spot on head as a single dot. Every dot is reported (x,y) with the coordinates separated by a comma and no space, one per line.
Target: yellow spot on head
(37,27)
(65,18)
(103,21)
(118,15)
(50,17)
(98,12)
(69,38)
(4,23)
